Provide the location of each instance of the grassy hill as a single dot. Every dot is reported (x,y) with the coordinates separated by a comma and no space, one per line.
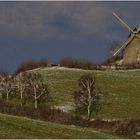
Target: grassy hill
(122,89)
(20,127)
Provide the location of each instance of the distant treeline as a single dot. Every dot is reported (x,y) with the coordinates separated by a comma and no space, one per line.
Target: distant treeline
(65,62)
(76,63)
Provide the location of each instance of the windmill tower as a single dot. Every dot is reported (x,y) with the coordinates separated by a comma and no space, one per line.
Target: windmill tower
(131,47)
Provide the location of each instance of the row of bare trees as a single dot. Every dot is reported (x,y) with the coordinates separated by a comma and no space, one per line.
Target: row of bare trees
(25,86)
(30,87)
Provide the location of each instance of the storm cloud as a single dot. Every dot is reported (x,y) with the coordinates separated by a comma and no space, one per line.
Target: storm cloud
(54,30)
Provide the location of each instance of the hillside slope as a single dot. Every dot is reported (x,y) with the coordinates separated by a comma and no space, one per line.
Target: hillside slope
(122,89)
(20,127)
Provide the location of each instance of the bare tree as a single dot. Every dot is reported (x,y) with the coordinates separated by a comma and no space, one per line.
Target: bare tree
(21,86)
(37,89)
(6,85)
(88,97)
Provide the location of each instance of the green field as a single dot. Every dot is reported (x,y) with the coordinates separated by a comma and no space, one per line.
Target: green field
(20,127)
(122,90)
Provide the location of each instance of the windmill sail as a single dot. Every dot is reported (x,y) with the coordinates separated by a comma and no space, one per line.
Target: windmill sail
(124,45)
(123,22)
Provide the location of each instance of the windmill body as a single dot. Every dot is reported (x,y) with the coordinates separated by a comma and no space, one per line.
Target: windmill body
(132,52)
(131,48)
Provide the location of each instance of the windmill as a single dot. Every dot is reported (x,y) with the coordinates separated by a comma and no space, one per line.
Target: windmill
(131,47)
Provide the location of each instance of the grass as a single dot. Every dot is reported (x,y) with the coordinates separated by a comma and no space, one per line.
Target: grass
(20,127)
(122,89)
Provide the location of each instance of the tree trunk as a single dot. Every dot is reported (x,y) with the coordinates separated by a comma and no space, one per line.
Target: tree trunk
(35,103)
(21,96)
(35,98)
(21,89)
(89,110)
(7,96)
(89,101)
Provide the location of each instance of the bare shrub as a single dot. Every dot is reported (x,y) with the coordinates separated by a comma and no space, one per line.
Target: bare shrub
(130,128)
(110,61)
(74,63)
(29,65)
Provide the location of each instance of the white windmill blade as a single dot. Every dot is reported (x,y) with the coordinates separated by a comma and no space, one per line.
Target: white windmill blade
(123,22)
(124,45)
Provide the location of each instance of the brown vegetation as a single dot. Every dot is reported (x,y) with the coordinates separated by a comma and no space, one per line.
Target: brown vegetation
(126,128)
(110,61)
(29,65)
(74,63)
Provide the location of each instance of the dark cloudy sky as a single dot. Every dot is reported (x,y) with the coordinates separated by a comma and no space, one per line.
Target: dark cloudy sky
(54,30)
